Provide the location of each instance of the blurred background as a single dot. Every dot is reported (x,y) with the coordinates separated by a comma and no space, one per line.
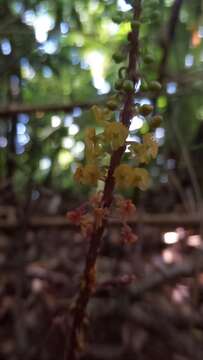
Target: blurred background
(55,62)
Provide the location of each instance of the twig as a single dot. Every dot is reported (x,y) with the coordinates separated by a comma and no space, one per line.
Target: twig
(180,342)
(7,111)
(126,115)
(162,220)
(155,280)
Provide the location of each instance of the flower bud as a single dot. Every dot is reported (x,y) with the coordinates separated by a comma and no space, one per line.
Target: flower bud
(146,109)
(118,58)
(144,86)
(128,86)
(112,105)
(155,122)
(155,86)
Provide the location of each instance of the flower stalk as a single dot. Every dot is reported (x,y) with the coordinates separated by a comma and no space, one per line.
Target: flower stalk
(88,279)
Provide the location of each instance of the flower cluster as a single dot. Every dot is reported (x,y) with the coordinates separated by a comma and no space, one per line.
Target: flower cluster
(89,217)
(146,151)
(127,176)
(115,134)
(88,174)
(99,146)
(126,210)
(81,218)
(128,237)
(92,215)
(125,207)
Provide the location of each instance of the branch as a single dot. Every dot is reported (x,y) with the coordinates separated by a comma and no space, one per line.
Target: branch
(157,323)
(163,220)
(156,279)
(7,111)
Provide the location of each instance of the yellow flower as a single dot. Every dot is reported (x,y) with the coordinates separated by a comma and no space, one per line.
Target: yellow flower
(78,176)
(141,178)
(115,133)
(123,175)
(141,153)
(87,175)
(92,148)
(151,144)
(99,115)
(90,135)
(144,152)
(91,174)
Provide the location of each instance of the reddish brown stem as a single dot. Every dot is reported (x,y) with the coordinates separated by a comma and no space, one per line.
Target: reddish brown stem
(95,243)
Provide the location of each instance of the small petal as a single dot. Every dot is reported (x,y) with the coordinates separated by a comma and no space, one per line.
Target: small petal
(127,235)
(78,176)
(116,134)
(126,208)
(91,174)
(75,216)
(141,178)
(123,175)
